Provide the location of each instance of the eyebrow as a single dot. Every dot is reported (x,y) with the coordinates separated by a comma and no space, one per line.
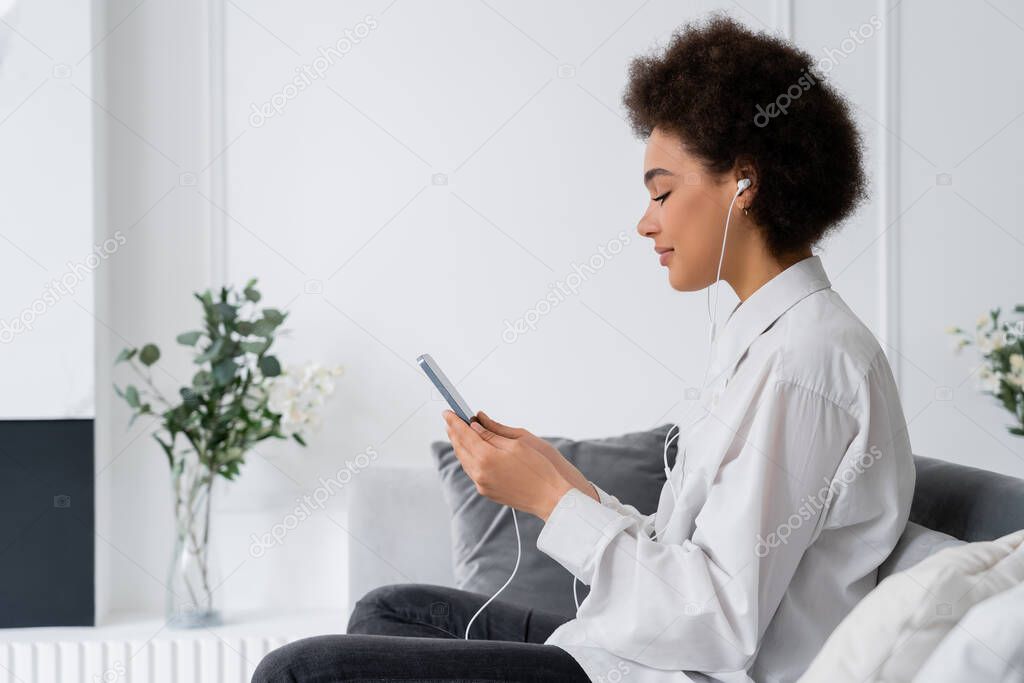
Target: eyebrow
(656,172)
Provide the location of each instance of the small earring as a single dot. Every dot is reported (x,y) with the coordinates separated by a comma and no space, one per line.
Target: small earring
(746,211)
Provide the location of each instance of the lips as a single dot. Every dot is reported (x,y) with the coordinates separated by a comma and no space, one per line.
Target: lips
(664,254)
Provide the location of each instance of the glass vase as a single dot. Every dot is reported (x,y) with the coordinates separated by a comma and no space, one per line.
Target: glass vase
(191,583)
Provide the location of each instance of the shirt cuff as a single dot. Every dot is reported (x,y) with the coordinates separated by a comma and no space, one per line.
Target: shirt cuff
(578,530)
(606,498)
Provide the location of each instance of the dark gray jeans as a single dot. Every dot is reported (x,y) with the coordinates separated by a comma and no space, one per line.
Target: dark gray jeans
(414,632)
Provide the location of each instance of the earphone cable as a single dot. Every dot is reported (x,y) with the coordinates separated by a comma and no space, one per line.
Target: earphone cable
(713,336)
(519,555)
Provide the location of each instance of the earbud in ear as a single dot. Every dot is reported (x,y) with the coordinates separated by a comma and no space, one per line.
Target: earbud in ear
(743,184)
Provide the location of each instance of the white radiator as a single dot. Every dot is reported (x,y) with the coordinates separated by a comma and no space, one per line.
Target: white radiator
(203,659)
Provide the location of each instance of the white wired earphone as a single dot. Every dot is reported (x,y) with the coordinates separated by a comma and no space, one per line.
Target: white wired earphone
(742,185)
(519,555)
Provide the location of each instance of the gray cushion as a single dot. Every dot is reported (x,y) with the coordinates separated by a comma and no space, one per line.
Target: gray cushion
(629,467)
(916,543)
(966,502)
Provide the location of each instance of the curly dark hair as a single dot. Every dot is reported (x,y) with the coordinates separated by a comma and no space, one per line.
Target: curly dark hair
(731,95)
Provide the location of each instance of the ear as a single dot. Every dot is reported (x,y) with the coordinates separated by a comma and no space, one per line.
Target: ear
(746,168)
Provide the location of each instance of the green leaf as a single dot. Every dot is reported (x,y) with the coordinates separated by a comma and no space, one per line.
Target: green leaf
(269,366)
(257,347)
(211,352)
(224,371)
(168,450)
(189,338)
(243,327)
(263,328)
(131,395)
(299,439)
(149,354)
(126,354)
(273,315)
(227,312)
(251,293)
(202,381)
(189,397)
(206,298)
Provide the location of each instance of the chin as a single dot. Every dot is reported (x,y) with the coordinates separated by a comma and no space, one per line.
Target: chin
(681,282)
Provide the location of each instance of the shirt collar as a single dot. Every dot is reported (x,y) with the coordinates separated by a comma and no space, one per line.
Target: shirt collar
(762,308)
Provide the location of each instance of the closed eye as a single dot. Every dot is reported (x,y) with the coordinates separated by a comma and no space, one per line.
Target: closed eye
(661,198)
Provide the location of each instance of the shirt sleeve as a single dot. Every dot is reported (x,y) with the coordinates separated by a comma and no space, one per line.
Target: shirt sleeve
(608,500)
(703,604)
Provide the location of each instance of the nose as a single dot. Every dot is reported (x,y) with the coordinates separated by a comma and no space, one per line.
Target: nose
(647,227)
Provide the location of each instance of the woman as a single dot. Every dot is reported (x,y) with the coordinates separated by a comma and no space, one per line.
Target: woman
(795,473)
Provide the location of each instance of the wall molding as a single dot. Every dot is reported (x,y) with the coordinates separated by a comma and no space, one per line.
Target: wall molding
(784,18)
(889,187)
(217,183)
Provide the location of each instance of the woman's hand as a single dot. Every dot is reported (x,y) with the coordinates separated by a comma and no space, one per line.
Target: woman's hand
(564,467)
(506,470)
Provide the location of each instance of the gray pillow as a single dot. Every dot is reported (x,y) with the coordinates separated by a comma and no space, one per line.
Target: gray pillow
(629,467)
(916,543)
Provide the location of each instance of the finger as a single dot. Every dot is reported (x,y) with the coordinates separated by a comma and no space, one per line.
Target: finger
(490,437)
(497,427)
(464,456)
(513,432)
(468,436)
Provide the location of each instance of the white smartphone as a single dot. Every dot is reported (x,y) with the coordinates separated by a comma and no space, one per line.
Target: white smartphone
(446,388)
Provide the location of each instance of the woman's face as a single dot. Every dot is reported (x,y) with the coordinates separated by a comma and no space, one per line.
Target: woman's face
(686,214)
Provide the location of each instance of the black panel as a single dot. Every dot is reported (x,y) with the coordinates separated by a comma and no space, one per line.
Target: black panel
(46,523)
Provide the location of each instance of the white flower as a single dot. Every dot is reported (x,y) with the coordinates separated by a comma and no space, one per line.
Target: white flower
(299,393)
(989,380)
(1016,374)
(1014,331)
(280,396)
(989,341)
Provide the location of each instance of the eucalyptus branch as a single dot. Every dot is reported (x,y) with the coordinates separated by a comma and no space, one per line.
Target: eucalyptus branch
(224,410)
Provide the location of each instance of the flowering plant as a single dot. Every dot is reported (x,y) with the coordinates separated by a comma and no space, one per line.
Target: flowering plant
(238,395)
(1001,345)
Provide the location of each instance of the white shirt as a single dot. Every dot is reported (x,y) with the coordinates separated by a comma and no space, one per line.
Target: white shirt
(795,482)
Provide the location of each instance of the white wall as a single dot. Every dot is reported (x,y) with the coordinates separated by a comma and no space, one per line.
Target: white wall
(47,252)
(961,244)
(333,204)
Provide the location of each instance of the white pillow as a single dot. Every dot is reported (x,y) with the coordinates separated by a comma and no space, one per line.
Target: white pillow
(987,644)
(891,632)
